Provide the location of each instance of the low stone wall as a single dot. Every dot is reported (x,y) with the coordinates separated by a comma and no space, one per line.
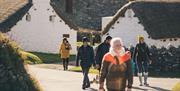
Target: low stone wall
(165,59)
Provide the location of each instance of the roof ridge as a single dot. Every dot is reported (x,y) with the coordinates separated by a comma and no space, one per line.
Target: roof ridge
(131,4)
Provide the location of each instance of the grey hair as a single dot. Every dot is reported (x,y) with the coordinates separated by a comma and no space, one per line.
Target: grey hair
(115,40)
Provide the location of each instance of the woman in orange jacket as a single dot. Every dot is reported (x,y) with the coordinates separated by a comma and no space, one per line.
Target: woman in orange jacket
(65,53)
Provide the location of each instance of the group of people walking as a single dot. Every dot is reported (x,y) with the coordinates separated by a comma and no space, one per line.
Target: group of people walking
(113,62)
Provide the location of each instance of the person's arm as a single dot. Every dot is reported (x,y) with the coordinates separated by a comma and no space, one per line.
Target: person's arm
(77,57)
(148,54)
(129,74)
(92,55)
(98,53)
(70,48)
(135,53)
(60,49)
(103,74)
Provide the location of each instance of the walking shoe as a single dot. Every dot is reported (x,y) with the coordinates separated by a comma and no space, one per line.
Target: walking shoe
(83,87)
(146,84)
(66,67)
(87,86)
(141,84)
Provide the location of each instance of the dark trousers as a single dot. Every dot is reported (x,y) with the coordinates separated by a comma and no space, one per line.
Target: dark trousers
(86,82)
(99,67)
(65,63)
(142,66)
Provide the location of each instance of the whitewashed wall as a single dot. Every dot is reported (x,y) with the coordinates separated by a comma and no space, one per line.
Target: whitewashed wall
(39,34)
(128,29)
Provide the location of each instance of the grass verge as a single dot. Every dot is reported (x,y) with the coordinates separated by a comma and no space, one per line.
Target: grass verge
(78,69)
(30,58)
(51,58)
(177,87)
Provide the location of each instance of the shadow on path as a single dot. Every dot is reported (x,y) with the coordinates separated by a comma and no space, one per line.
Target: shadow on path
(138,88)
(158,88)
(92,89)
(150,87)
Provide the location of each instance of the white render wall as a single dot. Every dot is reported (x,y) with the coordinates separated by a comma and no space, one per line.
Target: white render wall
(39,34)
(128,29)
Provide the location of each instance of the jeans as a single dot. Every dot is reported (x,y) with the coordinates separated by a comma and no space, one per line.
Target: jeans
(86,82)
(142,66)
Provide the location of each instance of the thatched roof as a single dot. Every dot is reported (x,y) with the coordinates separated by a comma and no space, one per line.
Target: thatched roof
(11,19)
(66,20)
(160,19)
(86,14)
(11,11)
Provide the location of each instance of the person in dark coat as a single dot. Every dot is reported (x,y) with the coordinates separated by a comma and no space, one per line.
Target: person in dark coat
(86,55)
(142,58)
(102,49)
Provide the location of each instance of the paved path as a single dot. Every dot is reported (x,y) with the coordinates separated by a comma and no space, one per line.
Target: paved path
(58,80)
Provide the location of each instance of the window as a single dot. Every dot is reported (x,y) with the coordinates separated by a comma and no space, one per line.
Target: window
(112,27)
(66,35)
(35,9)
(28,17)
(175,39)
(52,18)
(164,40)
(170,39)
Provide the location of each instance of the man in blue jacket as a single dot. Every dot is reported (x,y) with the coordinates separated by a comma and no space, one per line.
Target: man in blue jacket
(86,55)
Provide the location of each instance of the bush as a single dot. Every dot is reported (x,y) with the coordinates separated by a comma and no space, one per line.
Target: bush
(30,58)
(176,87)
(78,69)
(13,75)
(166,59)
(51,58)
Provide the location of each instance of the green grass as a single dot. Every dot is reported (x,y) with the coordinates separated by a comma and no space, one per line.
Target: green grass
(176,87)
(80,43)
(51,58)
(78,69)
(30,58)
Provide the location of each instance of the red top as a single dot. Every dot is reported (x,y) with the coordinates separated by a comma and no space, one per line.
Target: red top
(108,57)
